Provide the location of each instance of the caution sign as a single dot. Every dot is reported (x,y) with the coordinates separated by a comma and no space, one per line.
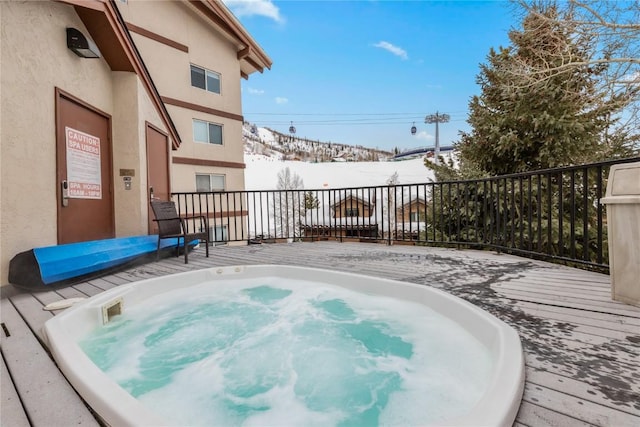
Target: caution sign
(84,176)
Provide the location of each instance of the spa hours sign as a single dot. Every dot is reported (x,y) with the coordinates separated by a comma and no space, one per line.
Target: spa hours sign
(83,165)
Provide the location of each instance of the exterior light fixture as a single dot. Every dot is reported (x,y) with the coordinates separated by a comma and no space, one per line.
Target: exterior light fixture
(413,129)
(81,45)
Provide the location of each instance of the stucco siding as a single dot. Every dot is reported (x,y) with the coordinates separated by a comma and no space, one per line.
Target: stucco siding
(184,177)
(231,149)
(129,153)
(133,109)
(34,63)
(170,67)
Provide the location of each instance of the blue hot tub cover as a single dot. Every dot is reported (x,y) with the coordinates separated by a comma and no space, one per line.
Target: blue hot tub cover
(60,265)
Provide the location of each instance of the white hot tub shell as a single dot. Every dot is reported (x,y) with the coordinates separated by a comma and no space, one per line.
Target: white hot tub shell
(497,407)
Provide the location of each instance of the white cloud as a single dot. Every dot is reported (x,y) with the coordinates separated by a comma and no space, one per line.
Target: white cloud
(398,51)
(255,7)
(253,91)
(424,135)
(281,100)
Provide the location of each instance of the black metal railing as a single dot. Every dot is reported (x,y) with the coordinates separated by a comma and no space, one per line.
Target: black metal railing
(552,214)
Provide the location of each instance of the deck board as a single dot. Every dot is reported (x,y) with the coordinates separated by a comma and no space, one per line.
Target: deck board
(12,413)
(47,397)
(582,350)
(603,321)
(537,416)
(570,301)
(580,409)
(570,386)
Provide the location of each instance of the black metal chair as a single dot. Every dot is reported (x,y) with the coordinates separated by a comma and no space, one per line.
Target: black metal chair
(171,226)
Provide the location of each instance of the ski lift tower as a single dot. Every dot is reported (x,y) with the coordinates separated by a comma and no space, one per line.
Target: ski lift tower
(292,131)
(436,118)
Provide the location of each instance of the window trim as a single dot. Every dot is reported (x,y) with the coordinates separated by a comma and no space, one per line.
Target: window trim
(208,123)
(205,70)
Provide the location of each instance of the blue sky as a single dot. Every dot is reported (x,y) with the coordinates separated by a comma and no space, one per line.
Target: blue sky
(361,72)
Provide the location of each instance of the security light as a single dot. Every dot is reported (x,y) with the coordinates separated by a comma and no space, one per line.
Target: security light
(81,45)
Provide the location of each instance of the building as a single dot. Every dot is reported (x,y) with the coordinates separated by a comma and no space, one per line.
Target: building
(350,214)
(106,105)
(197,63)
(355,214)
(411,219)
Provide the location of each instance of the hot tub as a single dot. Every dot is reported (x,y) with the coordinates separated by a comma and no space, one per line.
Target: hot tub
(497,404)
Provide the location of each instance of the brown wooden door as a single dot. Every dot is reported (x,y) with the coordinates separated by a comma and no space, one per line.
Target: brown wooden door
(84,172)
(157,169)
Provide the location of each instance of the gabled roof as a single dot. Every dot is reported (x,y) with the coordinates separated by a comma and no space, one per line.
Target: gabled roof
(345,198)
(415,199)
(251,56)
(108,30)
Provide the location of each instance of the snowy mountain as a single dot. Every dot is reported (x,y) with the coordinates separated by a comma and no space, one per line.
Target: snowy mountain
(271,143)
(323,165)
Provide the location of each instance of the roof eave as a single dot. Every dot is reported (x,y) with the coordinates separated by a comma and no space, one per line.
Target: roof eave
(108,30)
(251,56)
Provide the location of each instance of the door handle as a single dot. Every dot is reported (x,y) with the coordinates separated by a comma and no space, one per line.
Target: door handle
(151,196)
(64,186)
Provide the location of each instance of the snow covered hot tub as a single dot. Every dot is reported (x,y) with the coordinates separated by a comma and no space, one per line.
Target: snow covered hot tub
(279,345)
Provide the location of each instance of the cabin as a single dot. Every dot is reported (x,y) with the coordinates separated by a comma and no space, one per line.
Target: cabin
(350,215)
(414,210)
(352,206)
(410,219)
(106,106)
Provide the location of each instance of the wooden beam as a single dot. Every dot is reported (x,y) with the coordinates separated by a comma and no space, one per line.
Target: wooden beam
(205,162)
(157,37)
(201,108)
(244,52)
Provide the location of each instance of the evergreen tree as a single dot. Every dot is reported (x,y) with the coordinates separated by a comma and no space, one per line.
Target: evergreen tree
(519,124)
(310,201)
(526,119)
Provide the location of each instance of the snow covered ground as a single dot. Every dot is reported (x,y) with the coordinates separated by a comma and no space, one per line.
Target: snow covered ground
(261,173)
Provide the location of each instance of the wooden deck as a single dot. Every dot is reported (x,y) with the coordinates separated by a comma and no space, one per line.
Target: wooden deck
(582,350)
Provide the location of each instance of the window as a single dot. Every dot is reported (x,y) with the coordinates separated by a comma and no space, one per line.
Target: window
(218,235)
(205,79)
(351,212)
(210,133)
(416,216)
(207,183)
